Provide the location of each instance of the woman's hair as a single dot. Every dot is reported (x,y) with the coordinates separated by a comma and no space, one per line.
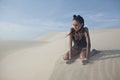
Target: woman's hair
(79,19)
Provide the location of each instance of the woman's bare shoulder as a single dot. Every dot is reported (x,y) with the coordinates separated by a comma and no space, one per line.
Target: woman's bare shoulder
(86,31)
(86,28)
(71,28)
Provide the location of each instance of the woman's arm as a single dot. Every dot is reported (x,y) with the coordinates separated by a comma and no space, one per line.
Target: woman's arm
(70,43)
(88,42)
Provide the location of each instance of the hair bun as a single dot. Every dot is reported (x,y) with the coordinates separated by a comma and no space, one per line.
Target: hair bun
(78,16)
(74,16)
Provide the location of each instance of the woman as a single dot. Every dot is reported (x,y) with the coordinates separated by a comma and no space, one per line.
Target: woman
(80,36)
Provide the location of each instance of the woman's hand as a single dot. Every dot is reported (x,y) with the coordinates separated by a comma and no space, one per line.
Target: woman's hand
(69,61)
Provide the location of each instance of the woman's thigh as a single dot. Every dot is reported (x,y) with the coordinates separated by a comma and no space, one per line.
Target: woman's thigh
(83,53)
(74,52)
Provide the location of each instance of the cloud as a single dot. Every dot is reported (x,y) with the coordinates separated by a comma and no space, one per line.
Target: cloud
(5,26)
(46,24)
(97,20)
(30,29)
(101,20)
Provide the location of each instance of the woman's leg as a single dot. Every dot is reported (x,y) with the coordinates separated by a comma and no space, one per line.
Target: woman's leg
(74,53)
(83,54)
(66,56)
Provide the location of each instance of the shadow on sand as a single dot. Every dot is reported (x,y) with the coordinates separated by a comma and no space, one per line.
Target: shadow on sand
(96,55)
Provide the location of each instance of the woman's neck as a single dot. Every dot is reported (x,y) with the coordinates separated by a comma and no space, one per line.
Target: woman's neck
(79,29)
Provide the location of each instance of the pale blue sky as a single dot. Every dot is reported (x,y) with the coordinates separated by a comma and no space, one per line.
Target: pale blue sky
(28,19)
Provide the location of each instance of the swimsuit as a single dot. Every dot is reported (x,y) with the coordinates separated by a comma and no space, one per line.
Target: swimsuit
(79,39)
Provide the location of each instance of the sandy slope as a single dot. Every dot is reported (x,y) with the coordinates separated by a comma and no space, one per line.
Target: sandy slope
(31,63)
(45,62)
(102,66)
(7,47)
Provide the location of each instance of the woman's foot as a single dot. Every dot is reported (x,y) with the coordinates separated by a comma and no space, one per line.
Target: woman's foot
(84,61)
(68,61)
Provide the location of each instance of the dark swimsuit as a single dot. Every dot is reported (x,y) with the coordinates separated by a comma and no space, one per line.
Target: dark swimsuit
(79,39)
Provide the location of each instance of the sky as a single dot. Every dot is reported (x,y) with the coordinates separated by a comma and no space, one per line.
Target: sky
(29,19)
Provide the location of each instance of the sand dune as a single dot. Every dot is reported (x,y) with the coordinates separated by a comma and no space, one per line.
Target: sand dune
(7,47)
(31,63)
(45,62)
(53,36)
(102,66)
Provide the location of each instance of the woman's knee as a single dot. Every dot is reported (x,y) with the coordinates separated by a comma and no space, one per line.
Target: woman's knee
(66,55)
(82,54)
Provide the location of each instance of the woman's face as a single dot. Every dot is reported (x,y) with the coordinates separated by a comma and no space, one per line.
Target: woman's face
(77,25)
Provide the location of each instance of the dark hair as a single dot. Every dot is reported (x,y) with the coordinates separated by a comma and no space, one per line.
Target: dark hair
(79,19)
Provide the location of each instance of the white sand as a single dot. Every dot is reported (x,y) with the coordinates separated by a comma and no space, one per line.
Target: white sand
(45,62)
(10,46)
